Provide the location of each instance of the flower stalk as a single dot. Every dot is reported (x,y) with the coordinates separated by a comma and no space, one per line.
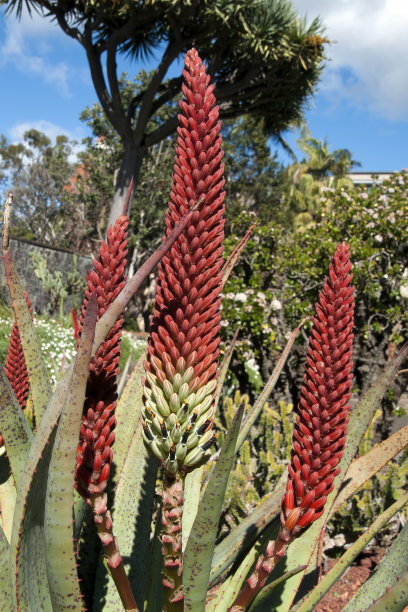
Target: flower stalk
(320,430)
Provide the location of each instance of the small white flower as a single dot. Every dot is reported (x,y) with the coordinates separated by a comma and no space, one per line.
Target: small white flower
(276,304)
(404,291)
(240,297)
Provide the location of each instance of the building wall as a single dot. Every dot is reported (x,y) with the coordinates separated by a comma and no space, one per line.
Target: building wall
(57,259)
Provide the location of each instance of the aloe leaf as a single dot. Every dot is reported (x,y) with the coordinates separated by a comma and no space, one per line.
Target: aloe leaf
(193,481)
(7,496)
(232,259)
(348,557)
(369,464)
(264,596)
(244,535)
(393,600)
(27,553)
(301,549)
(393,567)
(230,587)
(200,546)
(224,369)
(192,494)
(256,409)
(36,370)
(154,599)
(14,428)
(128,411)
(132,517)
(58,527)
(6,594)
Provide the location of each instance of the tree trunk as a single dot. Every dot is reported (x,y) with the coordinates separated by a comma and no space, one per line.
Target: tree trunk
(130,167)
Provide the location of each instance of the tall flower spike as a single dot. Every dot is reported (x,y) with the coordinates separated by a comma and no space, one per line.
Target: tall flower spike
(181,366)
(107,279)
(320,430)
(15,366)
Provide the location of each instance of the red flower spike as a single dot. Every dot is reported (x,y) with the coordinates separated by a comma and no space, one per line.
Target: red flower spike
(15,366)
(319,434)
(107,279)
(323,407)
(181,366)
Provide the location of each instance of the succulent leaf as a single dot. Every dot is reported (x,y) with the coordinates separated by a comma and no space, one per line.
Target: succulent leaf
(61,562)
(393,568)
(201,543)
(365,466)
(6,593)
(133,506)
(246,532)
(17,434)
(184,334)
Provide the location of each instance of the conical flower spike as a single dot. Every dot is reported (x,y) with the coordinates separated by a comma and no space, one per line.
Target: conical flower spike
(320,431)
(15,366)
(107,279)
(181,366)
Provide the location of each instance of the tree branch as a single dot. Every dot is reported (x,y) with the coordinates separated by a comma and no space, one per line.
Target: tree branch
(62,22)
(167,128)
(169,56)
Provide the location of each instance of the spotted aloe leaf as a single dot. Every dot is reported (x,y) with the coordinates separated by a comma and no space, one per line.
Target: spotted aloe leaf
(6,594)
(201,543)
(369,464)
(61,562)
(136,473)
(246,533)
(27,552)
(17,434)
(394,599)
(392,573)
(37,373)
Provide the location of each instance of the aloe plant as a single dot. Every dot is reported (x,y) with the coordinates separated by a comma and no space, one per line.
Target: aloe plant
(91,449)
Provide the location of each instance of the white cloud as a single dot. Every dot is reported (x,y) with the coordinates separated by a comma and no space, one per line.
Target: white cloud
(25,46)
(51,130)
(368,54)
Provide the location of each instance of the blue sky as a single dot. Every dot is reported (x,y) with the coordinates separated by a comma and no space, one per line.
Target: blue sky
(361,102)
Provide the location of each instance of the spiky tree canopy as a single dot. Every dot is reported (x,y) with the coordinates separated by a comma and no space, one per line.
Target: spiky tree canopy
(264,59)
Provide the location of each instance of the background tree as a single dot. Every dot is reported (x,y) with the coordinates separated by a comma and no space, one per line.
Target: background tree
(278,276)
(38,172)
(262,57)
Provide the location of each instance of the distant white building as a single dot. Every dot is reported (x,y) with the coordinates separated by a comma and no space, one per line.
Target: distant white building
(369,178)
